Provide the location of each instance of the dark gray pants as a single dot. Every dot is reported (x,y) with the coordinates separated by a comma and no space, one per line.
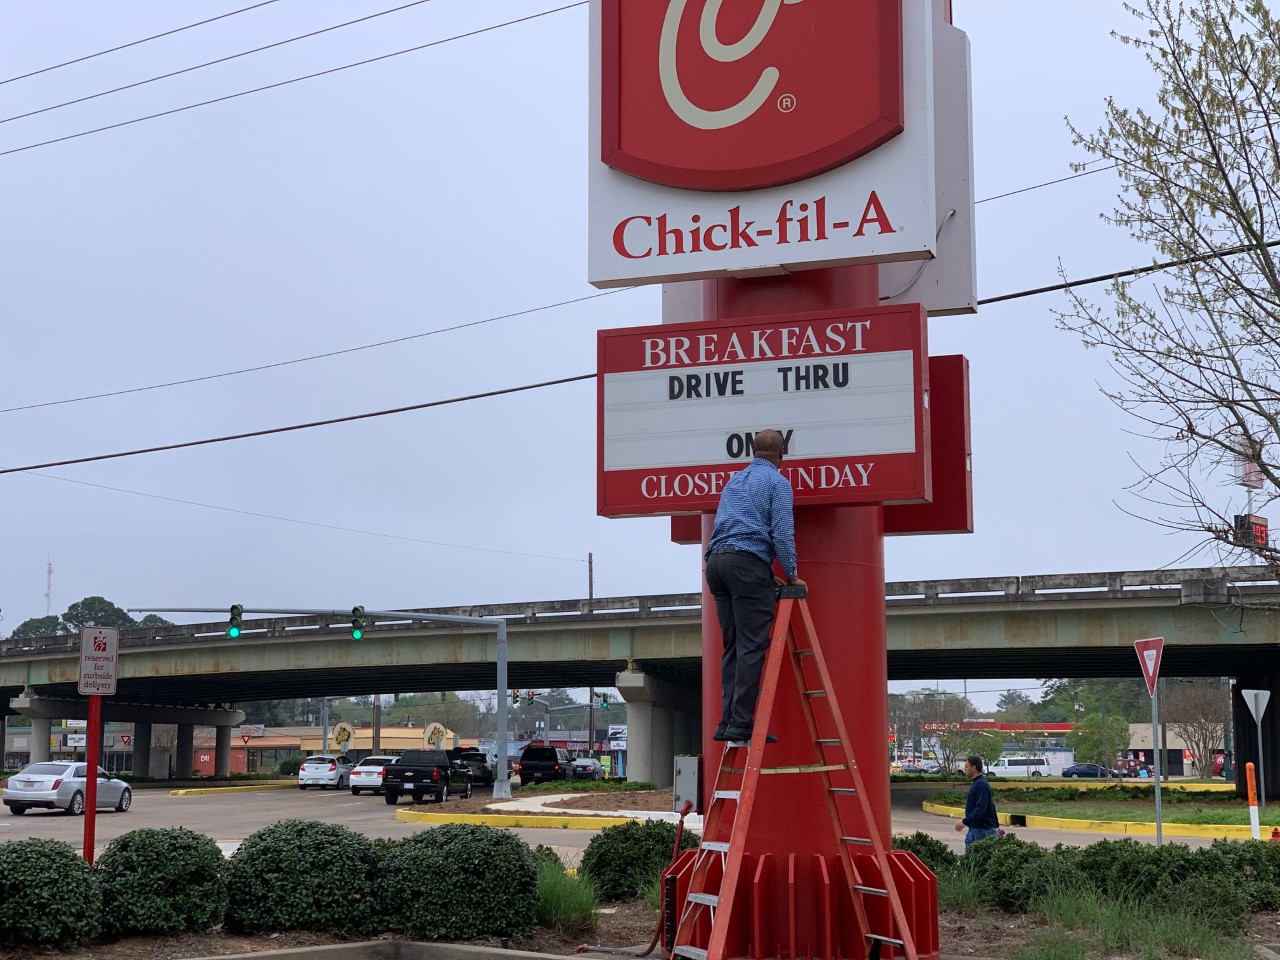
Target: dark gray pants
(743,588)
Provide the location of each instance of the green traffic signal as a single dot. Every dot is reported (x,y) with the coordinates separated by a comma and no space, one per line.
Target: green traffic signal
(233,622)
(357,623)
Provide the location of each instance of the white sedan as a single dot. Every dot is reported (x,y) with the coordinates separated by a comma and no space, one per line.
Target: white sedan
(367,774)
(60,785)
(325,771)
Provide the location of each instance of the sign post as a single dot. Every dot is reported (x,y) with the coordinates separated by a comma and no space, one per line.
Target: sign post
(1149,655)
(1257,701)
(99,653)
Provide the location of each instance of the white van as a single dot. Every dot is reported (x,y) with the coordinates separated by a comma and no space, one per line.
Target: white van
(1028,766)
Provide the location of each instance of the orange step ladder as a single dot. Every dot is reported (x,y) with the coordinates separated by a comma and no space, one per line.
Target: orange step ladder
(722,915)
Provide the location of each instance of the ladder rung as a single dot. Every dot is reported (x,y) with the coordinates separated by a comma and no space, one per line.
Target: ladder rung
(719,846)
(845,791)
(829,741)
(864,841)
(706,899)
(815,693)
(726,795)
(808,768)
(694,953)
(870,936)
(806,652)
(872,891)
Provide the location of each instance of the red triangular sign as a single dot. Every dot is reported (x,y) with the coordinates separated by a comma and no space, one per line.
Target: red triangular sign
(1149,654)
(246,737)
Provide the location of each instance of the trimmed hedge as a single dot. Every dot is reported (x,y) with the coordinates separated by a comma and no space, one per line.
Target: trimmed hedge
(161,881)
(934,854)
(303,875)
(623,861)
(47,894)
(460,881)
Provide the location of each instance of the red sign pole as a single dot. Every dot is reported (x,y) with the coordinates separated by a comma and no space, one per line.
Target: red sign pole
(92,754)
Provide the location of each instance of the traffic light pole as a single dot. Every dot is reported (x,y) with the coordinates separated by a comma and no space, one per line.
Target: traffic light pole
(502,785)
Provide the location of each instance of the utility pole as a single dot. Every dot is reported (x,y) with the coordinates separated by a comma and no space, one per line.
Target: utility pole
(377,723)
(591,718)
(324,725)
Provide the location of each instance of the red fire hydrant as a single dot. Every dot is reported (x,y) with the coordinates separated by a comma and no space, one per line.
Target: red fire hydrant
(1275,834)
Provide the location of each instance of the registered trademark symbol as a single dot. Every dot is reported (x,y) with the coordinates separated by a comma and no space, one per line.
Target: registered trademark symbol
(786,103)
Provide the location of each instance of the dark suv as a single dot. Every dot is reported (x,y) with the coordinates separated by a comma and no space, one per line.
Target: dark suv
(544,763)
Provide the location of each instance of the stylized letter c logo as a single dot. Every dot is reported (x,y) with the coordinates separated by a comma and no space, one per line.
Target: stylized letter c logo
(669,73)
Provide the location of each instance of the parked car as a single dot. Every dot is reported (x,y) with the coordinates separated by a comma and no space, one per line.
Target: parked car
(543,763)
(913,768)
(325,771)
(482,767)
(1089,770)
(419,772)
(60,785)
(367,774)
(587,768)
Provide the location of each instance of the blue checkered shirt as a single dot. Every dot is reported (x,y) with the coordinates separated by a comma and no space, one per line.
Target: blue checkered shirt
(755,515)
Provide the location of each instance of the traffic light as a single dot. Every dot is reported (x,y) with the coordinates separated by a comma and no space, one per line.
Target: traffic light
(357,623)
(515,698)
(528,697)
(233,622)
(604,701)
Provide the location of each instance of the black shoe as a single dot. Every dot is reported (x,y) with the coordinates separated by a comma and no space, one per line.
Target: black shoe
(721,733)
(743,735)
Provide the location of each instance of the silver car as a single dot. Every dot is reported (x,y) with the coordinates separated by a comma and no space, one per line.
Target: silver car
(324,771)
(367,774)
(60,785)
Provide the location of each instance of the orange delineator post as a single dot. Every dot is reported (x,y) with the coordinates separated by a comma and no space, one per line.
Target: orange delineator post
(1252,785)
(763,885)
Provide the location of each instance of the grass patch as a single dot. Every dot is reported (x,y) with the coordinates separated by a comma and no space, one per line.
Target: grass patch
(958,891)
(1084,924)
(566,904)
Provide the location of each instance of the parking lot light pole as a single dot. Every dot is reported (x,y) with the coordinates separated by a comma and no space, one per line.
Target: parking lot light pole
(501,785)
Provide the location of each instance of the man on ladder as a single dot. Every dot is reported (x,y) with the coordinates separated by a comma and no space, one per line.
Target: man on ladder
(754,525)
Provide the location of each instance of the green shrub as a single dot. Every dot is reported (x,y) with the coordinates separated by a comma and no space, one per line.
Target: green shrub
(461,881)
(161,881)
(1218,900)
(302,875)
(1116,868)
(544,854)
(48,894)
(999,863)
(565,904)
(586,786)
(1057,872)
(1257,864)
(622,861)
(934,854)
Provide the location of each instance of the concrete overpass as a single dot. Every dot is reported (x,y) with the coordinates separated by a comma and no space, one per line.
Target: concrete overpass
(1216,621)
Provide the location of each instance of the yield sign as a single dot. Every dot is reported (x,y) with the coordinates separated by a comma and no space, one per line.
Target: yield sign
(126,739)
(246,737)
(1149,653)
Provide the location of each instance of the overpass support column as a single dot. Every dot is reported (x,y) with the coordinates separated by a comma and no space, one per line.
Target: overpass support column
(186,750)
(40,728)
(142,749)
(1246,733)
(660,721)
(222,752)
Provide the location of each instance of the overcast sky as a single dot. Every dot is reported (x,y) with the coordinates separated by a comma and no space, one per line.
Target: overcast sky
(426,196)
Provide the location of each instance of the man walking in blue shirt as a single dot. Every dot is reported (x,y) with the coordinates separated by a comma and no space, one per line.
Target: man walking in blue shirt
(979,806)
(754,525)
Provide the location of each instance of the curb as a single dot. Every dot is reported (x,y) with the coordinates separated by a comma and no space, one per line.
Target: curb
(1127,827)
(264,785)
(533,820)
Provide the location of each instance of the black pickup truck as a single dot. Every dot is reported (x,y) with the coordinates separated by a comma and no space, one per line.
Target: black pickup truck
(422,772)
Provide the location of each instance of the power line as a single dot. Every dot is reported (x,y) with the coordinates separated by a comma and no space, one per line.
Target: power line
(134,43)
(211,63)
(307,523)
(317,356)
(285,83)
(503,391)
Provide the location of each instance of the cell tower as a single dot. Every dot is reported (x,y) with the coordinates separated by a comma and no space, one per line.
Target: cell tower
(48,587)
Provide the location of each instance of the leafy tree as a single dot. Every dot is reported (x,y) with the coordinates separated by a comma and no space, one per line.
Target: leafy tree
(1011,700)
(1087,739)
(1197,710)
(1198,355)
(37,627)
(152,620)
(96,612)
